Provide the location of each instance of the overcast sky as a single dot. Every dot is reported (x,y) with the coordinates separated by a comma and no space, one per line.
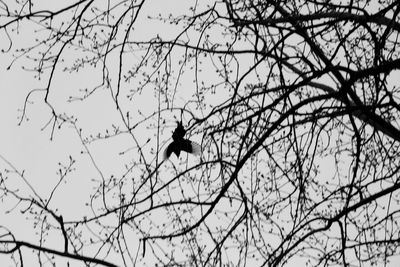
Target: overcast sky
(28,146)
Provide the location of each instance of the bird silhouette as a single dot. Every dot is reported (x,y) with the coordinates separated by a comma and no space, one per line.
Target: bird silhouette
(180,144)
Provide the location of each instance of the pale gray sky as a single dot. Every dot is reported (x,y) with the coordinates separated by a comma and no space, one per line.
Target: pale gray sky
(29,149)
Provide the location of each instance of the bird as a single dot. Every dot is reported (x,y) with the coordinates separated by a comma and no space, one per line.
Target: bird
(179,144)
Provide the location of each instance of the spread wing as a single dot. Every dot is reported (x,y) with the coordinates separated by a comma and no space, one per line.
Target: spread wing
(191,147)
(168,151)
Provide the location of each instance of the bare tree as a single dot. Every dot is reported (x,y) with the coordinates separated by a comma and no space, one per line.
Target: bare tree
(294,104)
